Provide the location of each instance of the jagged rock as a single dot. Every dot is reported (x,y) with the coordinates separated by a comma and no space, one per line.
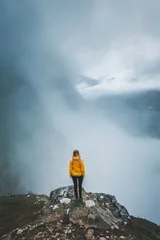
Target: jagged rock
(89,233)
(99,217)
(99,209)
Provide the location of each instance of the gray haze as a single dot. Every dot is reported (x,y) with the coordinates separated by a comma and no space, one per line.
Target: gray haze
(44,47)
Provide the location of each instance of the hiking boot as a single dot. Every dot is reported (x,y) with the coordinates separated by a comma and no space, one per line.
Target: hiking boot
(81,203)
(81,200)
(77,202)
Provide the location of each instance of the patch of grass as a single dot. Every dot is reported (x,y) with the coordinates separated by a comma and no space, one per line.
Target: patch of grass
(19,210)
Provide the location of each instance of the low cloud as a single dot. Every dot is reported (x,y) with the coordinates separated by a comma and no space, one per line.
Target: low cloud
(44,47)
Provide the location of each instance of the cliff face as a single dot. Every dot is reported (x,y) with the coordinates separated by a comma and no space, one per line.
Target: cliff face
(59,216)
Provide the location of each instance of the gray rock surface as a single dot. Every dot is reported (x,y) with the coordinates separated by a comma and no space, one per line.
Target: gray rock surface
(99,209)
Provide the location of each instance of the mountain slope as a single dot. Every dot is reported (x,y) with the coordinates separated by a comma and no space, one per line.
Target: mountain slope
(100,216)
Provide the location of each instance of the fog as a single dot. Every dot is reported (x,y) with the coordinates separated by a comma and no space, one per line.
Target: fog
(44,47)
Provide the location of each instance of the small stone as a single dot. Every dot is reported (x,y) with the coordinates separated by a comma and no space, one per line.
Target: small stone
(67,231)
(80,223)
(122,237)
(89,233)
(54,207)
(93,238)
(19,231)
(39,234)
(102,238)
(89,203)
(65,200)
(59,225)
(91,216)
(67,211)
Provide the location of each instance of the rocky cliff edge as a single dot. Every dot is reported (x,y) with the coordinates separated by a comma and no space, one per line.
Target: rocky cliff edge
(60,217)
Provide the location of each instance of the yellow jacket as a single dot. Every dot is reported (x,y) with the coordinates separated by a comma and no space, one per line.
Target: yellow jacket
(76,167)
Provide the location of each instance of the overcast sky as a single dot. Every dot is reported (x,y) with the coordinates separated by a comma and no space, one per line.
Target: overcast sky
(44,47)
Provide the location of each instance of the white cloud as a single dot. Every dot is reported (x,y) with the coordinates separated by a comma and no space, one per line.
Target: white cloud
(129,63)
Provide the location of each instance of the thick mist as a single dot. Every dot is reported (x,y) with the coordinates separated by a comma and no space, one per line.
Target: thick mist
(44,47)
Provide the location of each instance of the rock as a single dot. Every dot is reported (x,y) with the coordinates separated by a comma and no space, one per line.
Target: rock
(91,218)
(79,215)
(61,217)
(65,200)
(19,231)
(89,203)
(57,234)
(100,210)
(55,206)
(89,233)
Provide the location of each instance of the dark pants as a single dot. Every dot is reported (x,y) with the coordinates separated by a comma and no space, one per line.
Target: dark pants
(78,179)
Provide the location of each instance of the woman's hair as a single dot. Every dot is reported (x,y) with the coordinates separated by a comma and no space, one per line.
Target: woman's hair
(76,153)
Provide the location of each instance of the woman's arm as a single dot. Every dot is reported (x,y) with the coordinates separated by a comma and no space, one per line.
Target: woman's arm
(83,169)
(70,168)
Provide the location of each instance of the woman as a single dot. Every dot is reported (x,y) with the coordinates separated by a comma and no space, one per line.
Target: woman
(77,172)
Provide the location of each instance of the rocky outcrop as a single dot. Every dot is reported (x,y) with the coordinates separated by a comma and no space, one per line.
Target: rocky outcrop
(98,210)
(60,217)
